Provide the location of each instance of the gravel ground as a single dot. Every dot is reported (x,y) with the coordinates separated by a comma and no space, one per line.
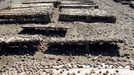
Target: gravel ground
(123,28)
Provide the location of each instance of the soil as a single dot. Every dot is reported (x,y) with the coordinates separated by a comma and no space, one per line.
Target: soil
(123,28)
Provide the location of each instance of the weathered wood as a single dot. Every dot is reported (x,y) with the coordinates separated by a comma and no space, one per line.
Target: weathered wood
(78,5)
(87,15)
(39,1)
(20,39)
(25,11)
(83,40)
(62,2)
(26,15)
(86,12)
(77,1)
(45,27)
(55,2)
(47,5)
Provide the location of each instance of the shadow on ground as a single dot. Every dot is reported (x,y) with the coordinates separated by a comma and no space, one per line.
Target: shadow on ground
(93,49)
(51,33)
(18,49)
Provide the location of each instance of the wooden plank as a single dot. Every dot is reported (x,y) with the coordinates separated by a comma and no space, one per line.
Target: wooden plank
(78,5)
(25,11)
(39,1)
(86,12)
(83,40)
(45,27)
(26,15)
(87,15)
(49,5)
(76,1)
(20,38)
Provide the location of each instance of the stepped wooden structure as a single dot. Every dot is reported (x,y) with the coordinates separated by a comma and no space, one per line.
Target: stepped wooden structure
(41,11)
(101,40)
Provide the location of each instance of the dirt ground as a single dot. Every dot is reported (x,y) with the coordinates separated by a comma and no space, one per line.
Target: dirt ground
(123,27)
